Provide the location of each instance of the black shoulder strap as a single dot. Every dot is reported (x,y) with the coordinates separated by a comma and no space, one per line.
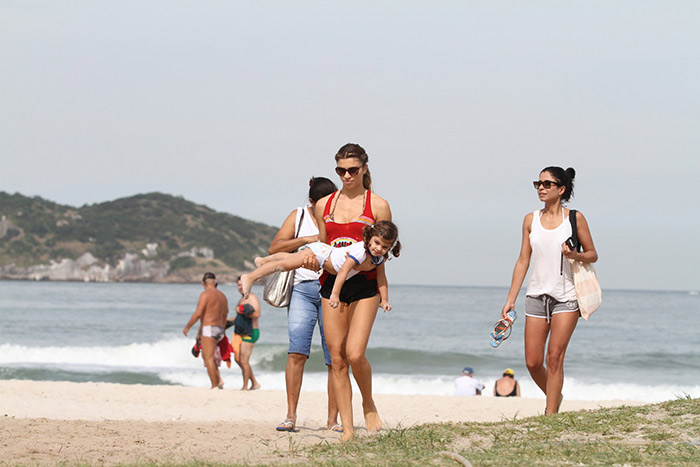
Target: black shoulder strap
(301,219)
(574,229)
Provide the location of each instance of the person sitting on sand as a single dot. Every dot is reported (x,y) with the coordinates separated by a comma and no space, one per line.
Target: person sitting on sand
(345,262)
(506,386)
(467,385)
(212,310)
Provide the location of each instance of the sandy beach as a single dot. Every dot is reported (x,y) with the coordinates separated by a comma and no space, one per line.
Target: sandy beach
(102,423)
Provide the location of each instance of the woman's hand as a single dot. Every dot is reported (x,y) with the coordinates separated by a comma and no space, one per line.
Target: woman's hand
(310,239)
(506,308)
(386,306)
(568,252)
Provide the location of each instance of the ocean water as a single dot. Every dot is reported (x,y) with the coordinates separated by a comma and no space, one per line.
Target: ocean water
(641,345)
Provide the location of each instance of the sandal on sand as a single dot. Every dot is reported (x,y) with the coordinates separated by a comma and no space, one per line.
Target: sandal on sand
(338,428)
(286,425)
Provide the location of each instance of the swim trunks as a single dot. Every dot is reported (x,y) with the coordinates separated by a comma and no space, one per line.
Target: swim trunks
(215,332)
(252,338)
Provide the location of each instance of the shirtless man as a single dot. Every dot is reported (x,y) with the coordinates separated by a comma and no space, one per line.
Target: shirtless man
(249,341)
(212,310)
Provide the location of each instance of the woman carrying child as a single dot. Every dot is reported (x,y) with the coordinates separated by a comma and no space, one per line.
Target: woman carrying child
(341,218)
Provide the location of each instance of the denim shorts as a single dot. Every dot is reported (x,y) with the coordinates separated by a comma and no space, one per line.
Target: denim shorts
(302,315)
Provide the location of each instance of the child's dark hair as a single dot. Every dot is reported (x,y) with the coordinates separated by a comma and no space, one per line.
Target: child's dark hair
(565,177)
(320,187)
(388,231)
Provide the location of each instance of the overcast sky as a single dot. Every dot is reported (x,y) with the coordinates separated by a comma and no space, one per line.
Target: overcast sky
(458,104)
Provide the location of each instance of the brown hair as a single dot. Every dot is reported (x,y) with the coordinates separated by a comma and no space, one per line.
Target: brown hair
(355,150)
(388,231)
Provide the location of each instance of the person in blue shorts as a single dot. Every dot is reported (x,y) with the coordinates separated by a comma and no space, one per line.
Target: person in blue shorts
(304,310)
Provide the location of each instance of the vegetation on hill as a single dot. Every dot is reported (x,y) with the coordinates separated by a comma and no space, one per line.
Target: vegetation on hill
(36,231)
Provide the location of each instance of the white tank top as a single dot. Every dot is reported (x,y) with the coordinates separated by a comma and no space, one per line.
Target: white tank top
(307,228)
(545,263)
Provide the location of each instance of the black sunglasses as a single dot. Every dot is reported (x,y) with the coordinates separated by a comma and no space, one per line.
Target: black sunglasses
(547,184)
(352,171)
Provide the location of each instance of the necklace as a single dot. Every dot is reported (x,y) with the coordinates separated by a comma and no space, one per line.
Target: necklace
(335,202)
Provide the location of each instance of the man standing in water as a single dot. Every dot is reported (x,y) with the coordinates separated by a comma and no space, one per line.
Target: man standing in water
(212,310)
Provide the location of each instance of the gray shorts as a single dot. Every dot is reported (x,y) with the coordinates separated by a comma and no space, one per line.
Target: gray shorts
(215,332)
(544,306)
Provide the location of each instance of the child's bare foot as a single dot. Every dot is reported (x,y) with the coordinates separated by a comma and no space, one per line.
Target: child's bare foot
(246,284)
(372,420)
(259,261)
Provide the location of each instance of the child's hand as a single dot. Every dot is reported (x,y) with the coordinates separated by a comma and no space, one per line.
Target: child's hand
(334,300)
(386,306)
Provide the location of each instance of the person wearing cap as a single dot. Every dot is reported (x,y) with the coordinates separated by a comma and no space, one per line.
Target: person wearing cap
(212,311)
(467,385)
(506,386)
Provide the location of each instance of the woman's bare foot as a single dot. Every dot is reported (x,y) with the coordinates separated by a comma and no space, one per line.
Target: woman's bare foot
(254,387)
(372,421)
(246,284)
(348,435)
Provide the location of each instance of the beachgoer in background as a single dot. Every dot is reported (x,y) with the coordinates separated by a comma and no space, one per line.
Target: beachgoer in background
(341,218)
(345,262)
(212,310)
(551,309)
(248,340)
(507,386)
(304,309)
(467,385)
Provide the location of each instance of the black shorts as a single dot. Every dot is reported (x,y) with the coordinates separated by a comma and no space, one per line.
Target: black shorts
(356,288)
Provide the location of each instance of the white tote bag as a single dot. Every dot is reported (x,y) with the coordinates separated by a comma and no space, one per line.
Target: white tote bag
(588,293)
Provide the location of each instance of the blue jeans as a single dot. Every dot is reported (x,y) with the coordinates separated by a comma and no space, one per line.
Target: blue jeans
(303,313)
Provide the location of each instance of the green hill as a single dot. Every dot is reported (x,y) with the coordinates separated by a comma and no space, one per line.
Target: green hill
(144,237)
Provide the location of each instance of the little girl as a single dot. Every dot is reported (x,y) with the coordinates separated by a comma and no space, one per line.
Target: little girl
(344,262)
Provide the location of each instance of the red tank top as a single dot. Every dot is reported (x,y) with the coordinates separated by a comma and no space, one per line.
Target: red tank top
(340,235)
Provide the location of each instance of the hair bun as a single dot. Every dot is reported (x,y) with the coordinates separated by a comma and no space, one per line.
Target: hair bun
(571,173)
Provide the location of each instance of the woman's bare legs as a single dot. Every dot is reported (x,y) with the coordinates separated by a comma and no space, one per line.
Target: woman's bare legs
(549,379)
(562,327)
(362,315)
(347,330)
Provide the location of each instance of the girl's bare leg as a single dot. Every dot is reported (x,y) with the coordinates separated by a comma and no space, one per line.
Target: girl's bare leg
(290,262)
(260,260)
(336,323)
(362,315)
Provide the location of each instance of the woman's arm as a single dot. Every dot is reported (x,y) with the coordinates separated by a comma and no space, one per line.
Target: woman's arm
(334,299)
(383,287)
(589,253)
(284,241)
(521,267)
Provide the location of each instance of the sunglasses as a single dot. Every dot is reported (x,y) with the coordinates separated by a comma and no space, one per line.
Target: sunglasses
(352,171)
(547,184)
